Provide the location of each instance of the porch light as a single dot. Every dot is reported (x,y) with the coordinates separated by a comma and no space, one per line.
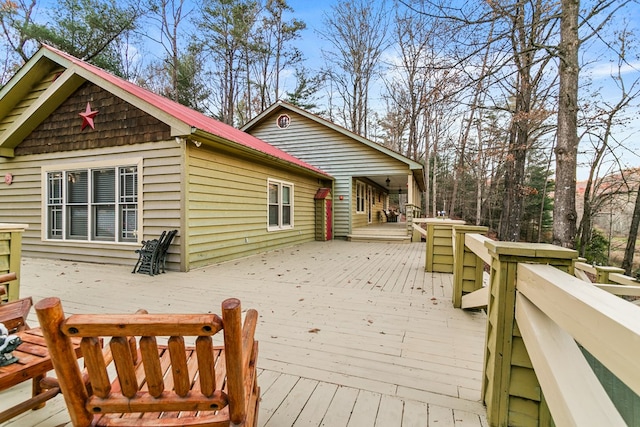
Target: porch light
(388,181)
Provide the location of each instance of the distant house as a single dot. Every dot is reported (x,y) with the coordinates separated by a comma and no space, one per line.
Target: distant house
(95,165)
(365,172)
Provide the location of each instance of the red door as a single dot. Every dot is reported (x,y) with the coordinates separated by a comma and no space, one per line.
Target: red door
(329,220)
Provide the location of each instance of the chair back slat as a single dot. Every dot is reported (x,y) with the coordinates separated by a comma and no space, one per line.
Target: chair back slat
(206,367)
(123,360)
(179,367)
(113,325)
(133,349)
(152,367)
(96,367)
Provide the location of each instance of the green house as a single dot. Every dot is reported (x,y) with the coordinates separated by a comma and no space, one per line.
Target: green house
(365,172)
(94,165)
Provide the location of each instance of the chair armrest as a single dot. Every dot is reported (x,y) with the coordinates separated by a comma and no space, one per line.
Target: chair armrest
(7,277)
(14,314)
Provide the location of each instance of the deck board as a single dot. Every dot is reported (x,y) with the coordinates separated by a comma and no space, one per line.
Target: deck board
(350,333)
(318,404)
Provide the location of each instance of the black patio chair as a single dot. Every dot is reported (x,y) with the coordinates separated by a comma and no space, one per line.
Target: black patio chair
(147,256)
(163,247)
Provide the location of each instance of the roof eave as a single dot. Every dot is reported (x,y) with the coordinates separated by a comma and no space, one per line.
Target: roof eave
(178,127)
(209,139)
(46,103)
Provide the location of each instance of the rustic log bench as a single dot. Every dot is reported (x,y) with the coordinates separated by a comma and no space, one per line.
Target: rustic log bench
(173,384)
(33,360)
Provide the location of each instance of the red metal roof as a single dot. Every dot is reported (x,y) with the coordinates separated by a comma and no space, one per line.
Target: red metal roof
(191,117)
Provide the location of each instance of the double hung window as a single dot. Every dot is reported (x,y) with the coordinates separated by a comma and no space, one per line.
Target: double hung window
(93,204)
(280,205)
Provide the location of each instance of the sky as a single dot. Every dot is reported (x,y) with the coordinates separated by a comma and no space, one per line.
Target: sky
(314,12)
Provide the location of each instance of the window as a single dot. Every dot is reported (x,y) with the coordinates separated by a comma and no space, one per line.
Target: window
(360,197)
(95,204)
(283,121)
(280,205)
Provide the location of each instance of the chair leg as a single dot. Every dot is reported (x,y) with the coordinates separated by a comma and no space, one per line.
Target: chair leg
(136,266)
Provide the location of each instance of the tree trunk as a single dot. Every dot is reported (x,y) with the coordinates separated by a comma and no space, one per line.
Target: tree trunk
(627,262)
(564,207)
(511,218)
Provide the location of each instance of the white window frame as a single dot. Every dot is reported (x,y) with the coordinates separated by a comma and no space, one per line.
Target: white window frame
(361,190)
(281,205)
(119,202)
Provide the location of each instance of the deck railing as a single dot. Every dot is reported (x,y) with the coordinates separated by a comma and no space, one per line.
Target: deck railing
(11,257)
(545,327)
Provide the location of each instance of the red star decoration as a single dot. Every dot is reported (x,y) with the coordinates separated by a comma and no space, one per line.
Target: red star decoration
(87,117)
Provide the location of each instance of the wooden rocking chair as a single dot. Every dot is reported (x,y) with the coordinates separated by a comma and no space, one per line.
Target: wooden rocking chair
(155,385)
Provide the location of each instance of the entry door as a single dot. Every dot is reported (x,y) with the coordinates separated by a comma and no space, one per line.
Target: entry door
(329,219)
(369,204)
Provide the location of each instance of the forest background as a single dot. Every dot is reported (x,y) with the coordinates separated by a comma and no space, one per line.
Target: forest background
(505,102)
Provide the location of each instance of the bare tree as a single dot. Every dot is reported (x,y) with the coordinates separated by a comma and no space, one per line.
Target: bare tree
(169,16)
(407,91)
(599,127)
(572,19)
(627,262)
(273,51)
(15,19)
(224,30)
(471,121)
(564,207)
(357,34)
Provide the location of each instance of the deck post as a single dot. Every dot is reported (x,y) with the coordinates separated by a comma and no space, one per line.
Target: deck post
(603,272)
(510,388)
(409,215)
(11,256)
(439,257)
(467,266)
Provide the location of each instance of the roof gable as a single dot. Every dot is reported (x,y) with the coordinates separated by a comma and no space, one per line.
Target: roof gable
(184,122)
(281,105)
(117,123)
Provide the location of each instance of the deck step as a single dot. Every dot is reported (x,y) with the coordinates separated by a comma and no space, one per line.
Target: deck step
(378,239)
(394,232)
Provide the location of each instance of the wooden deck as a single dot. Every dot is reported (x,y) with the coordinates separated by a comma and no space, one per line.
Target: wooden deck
(351,334)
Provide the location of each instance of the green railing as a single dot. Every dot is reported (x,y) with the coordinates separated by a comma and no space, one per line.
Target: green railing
(535,373)
(11,256)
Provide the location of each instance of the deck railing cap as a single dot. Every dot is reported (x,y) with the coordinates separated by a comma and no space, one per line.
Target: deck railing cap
(13,227)
(530,250)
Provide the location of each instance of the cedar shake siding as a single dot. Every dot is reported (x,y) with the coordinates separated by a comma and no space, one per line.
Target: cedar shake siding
(117,123)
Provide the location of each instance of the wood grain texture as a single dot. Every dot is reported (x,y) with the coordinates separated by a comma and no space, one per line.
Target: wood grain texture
(343,316)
